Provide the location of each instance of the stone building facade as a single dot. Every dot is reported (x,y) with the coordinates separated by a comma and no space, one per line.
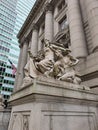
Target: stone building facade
(73,23)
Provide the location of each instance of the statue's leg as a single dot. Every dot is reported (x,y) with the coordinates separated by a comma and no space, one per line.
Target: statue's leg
(57,69)
(77,80)
(66,77)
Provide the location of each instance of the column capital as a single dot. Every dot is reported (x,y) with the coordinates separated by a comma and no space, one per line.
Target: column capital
(34,27)
(25,41)
(48,7)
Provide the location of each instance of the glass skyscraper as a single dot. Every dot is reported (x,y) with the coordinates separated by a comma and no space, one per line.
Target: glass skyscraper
(12,16)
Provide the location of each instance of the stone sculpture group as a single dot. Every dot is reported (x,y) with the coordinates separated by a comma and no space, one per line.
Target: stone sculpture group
(53,61)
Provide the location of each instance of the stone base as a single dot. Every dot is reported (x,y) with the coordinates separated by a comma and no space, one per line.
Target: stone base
(48,104)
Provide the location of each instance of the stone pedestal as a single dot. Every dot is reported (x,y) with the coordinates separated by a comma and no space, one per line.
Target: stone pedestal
(48,104)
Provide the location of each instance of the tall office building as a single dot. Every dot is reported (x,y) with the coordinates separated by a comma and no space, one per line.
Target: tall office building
(12,16)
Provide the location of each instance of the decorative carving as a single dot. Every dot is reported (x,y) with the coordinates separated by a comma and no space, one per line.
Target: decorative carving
(17,122)
(54,61)
(25,123)
(12,122)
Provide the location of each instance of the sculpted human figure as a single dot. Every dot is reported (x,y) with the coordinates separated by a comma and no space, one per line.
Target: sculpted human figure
(64,67)
(45,65)
(40,65)
(60,64)
(30,70)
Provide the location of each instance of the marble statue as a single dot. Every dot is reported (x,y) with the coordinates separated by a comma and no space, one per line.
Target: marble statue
(53,61)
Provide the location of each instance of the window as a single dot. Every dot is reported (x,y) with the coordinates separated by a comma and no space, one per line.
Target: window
(4,48)
(63,23)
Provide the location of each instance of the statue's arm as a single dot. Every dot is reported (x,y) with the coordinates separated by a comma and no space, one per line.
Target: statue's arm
(74,61)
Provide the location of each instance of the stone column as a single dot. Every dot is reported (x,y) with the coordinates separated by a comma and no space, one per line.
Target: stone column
(29,47)
(18,66)
(39,40)
(39,44)
(56,24)
(34,40)
(92,14)
(78,43)
(40,30)
(48,22)
(22,64)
